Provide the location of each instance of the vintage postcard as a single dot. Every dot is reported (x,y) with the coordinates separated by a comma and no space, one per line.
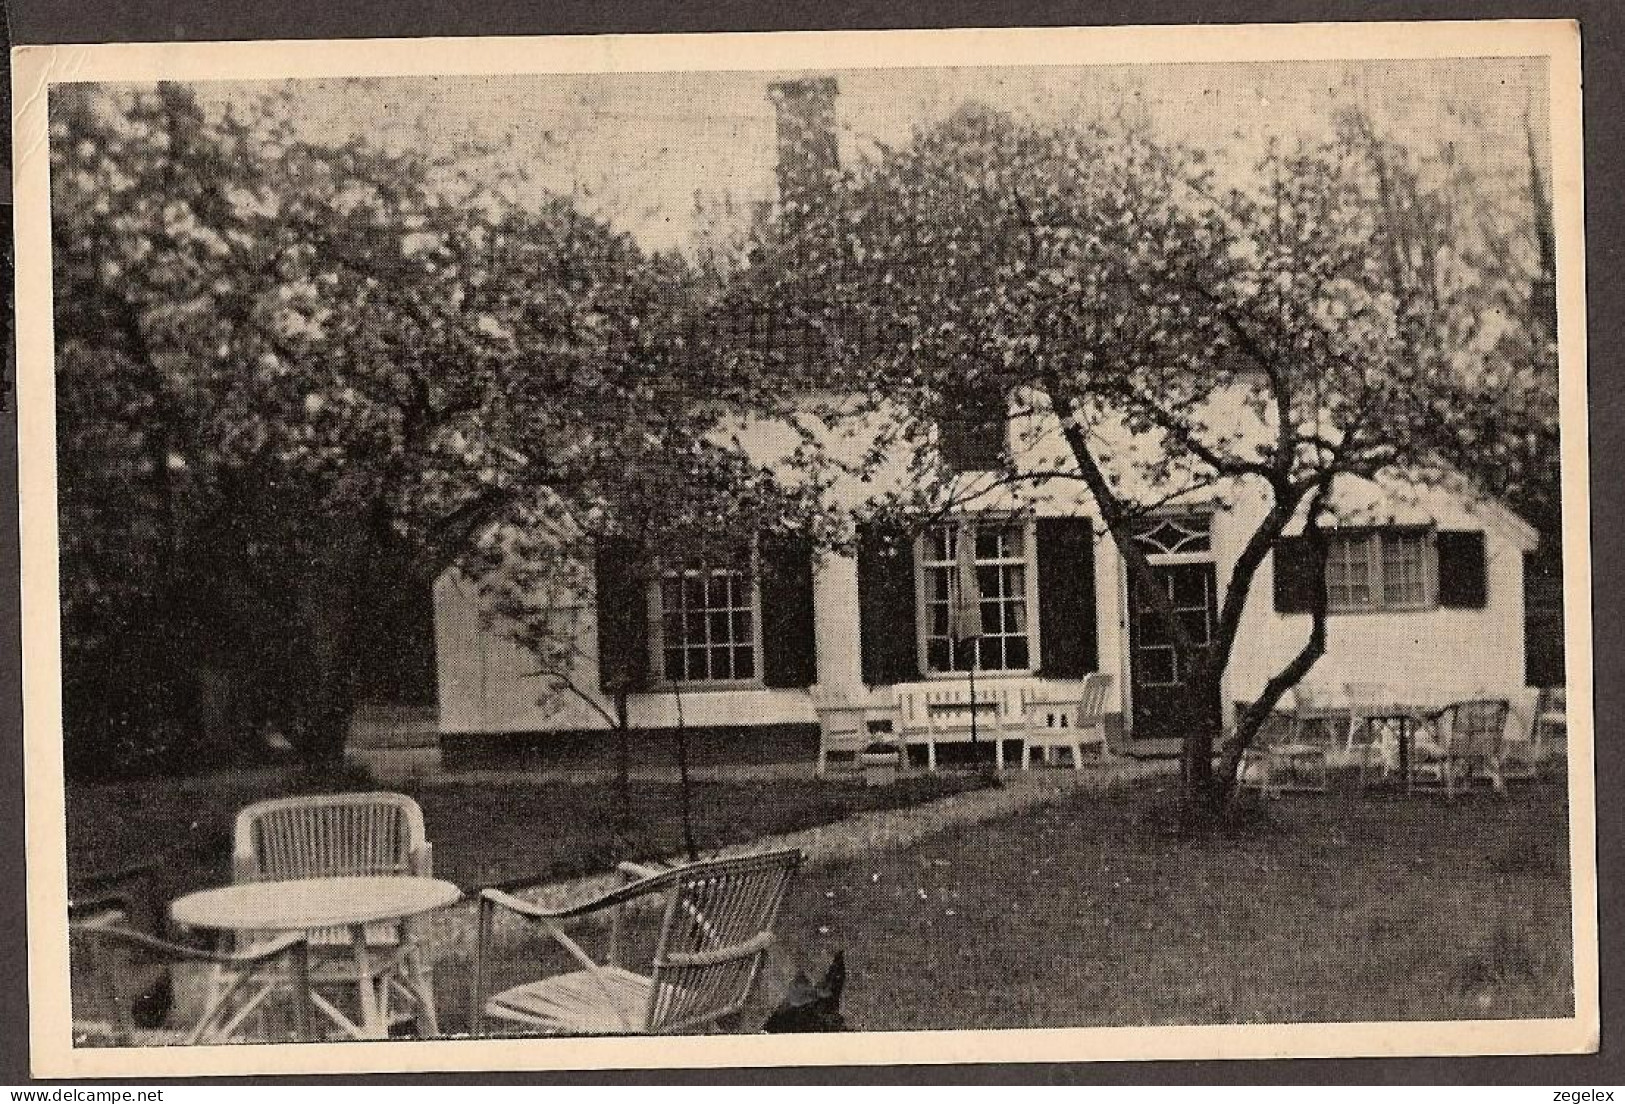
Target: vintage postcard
(812,548)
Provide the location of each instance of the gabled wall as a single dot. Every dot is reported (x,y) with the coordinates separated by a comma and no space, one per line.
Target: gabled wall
(1434,654)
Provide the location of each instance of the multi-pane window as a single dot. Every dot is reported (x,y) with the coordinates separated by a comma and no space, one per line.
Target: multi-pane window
(706,624)
(1189,590)
(975,597)
(1379,569)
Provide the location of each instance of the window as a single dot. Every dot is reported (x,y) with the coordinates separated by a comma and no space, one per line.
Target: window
(1175,534)
(976,581)
(1380,569)
(706,623)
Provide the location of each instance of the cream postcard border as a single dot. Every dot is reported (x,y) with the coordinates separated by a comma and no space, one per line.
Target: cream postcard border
(35,68)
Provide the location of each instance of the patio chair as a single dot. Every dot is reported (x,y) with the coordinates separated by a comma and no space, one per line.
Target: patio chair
(1070,724)
(1467,744)
(1313,721)
(350,835)
(848,722)
(116,1004)
(1520,744)
(716,926)
(1366,700)
(1552,722)
(1274,766)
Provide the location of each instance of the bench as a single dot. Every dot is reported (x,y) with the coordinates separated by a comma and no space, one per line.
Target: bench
(942,712)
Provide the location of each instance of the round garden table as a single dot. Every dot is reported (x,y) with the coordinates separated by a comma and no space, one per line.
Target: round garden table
(311,904)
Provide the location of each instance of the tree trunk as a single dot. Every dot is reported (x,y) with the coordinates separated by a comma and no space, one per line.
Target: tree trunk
(1203,791)
(334,614)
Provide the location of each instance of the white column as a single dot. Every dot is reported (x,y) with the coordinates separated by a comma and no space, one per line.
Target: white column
(836,621)
(1110,604)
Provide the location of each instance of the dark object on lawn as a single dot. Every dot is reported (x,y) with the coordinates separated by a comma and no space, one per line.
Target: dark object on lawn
(810,1008)
(150,1010)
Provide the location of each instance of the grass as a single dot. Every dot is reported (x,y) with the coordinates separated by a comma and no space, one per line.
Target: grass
(482,831)
(1086,912)
(1083,912)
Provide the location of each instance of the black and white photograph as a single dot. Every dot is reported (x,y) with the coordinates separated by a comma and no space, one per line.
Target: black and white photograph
(783,549)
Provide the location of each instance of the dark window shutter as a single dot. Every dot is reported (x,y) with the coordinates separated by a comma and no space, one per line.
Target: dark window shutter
(1067,642)
(970,434)
(1297,574)
(788,650)
(1462,579)
(623,615)
(886,608)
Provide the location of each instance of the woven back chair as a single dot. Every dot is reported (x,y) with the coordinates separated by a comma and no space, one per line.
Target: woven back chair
(1282,758)
(717,923)
(348,835)
(353,835)
(1469,736)
(117,1003)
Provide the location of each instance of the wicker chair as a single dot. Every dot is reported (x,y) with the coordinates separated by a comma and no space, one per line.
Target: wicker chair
(1280,762)
(337,836)
(1467,744)
(114,970)
(1068,724)
(716,926)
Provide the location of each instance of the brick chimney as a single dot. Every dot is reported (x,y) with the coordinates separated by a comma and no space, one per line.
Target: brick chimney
(807,144)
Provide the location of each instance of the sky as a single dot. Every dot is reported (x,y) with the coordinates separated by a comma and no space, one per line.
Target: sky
(638,148)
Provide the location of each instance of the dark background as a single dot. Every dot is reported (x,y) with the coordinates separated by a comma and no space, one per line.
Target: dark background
(1602,24)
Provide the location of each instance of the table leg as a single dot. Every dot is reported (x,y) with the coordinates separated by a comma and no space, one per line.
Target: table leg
(1405,752)
(372,1017)
(418,978)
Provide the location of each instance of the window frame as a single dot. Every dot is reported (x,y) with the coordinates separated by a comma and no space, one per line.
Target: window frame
(1376,563)
(922,633)
(658,677)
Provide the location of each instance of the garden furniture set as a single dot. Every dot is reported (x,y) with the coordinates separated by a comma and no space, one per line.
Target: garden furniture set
(1042,716)
(1409,745)
(325,910)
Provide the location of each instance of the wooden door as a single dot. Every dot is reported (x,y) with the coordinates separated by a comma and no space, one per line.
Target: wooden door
(1161,684)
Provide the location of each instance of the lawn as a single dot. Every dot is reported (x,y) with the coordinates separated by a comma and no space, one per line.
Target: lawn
(482,831)
(1087,912)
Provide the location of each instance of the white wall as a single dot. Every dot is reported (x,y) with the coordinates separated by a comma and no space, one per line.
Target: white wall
(485,684)
(1423,656)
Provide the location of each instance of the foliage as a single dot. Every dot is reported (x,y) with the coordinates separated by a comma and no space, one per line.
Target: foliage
(297,380)
(1177,333)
